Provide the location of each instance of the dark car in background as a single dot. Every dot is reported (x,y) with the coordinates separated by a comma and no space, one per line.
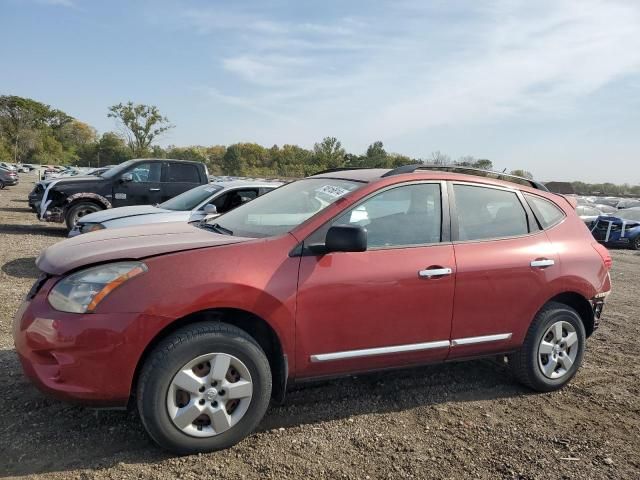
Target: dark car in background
(136,182)
(619,231)
(7,177)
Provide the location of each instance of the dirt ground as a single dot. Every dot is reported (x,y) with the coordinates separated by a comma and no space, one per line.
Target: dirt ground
(459,420)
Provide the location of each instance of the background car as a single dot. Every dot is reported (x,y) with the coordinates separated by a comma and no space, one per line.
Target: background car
(7,177)
(588,214)
(7,166)
(193,205)
(619,231)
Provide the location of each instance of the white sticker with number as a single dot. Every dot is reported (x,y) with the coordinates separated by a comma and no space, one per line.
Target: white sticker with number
(332,191)
(121,196)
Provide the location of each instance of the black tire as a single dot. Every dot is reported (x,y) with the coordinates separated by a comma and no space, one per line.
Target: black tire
(525,364)
(1,184)
(79,210)
(170,355)
(635,243)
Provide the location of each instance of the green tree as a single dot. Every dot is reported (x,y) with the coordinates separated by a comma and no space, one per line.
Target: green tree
(141,124)
(328,154)
(19,117)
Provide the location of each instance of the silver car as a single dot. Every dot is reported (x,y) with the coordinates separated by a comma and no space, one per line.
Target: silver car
(205,201)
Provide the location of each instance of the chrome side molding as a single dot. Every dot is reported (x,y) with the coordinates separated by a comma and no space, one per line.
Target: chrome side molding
(412,347)
(481,339)
(370,352)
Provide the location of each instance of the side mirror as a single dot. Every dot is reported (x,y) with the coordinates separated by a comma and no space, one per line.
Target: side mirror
(126,177)
(210,209)
(346,238)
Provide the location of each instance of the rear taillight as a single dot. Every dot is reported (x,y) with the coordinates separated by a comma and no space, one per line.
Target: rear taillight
(604,254)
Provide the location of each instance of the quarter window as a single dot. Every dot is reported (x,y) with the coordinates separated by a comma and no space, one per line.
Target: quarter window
(406,215)
(545,211)
(485,213)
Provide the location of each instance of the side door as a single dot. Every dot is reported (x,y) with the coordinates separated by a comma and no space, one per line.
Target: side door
(390,305)
(505,266)
(178,177)
(139,185)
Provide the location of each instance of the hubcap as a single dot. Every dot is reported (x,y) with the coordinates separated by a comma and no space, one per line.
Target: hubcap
(209,395)
(558,350)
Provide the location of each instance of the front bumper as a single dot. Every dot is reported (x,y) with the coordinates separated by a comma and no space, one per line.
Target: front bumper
(87,358)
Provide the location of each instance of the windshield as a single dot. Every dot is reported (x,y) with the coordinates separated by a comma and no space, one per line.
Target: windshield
(283,209)
(117,170)
(191,198)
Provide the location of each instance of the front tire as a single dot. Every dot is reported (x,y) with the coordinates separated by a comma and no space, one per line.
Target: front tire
(635,244)
(553,349)
(204,388)
(78,210)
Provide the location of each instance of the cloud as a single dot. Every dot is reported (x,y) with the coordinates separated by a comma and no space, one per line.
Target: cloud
(409,66)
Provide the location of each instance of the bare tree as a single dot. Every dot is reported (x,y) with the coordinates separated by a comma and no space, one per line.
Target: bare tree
(140,124)
(439,158)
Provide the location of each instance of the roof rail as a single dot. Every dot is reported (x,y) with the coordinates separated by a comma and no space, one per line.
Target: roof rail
(469,171)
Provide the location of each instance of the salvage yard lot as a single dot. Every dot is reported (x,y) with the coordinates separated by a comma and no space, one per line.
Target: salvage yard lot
(457,420)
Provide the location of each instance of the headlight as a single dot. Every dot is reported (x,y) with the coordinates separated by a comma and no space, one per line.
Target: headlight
(81,292)
(90,227)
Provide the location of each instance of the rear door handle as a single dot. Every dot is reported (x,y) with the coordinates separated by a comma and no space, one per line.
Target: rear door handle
(154,189)
(435,272)
(542,262)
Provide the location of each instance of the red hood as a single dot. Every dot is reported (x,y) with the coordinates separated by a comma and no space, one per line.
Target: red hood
(127,243)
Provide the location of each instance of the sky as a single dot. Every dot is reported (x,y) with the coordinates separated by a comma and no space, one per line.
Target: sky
(550,86)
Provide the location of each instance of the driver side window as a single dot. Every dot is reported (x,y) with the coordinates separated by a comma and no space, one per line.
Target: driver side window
(400,216)
(146,172)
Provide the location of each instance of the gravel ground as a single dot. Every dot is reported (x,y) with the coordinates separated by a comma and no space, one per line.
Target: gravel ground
(456,420)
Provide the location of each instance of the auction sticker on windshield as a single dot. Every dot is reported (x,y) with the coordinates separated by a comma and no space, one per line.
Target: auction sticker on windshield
(332,191)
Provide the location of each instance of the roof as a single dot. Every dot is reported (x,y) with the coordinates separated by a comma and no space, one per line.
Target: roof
(430,171)
(358,174)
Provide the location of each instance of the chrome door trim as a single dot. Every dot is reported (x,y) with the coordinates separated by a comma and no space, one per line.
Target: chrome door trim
(481,339)
(370,352)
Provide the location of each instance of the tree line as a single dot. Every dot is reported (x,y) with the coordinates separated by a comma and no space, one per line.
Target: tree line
(32,132)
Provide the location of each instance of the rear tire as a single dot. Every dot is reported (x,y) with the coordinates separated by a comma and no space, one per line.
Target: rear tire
(78,210)
(635,244)
(553,349)
(1,184)
(183,375)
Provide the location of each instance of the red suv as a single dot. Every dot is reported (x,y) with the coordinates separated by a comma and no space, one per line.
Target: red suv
(342,272)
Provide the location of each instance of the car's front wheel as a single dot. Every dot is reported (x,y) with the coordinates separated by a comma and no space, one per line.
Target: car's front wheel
(204,388)
(78,210)
(553,349)
(635,243)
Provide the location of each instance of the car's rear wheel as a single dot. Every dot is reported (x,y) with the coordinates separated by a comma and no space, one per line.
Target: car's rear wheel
(1,184)
(635,243)
(204,388)
(553,349)
(78,210)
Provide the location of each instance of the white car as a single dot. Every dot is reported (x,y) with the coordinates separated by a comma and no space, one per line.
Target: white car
(205,201)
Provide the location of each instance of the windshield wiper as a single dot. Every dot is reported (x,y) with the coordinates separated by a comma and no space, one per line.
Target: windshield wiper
(216,227)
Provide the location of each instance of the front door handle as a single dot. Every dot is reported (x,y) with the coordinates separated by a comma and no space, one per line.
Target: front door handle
(542,263)
(435,272)
(154,189)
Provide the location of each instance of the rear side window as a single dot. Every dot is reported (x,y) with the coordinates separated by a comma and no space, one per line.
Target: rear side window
(182,172)
(545,211)
(486,213)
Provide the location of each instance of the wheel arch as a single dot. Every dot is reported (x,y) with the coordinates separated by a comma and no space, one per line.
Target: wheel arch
(581,305)
(87,197)
(258,328)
